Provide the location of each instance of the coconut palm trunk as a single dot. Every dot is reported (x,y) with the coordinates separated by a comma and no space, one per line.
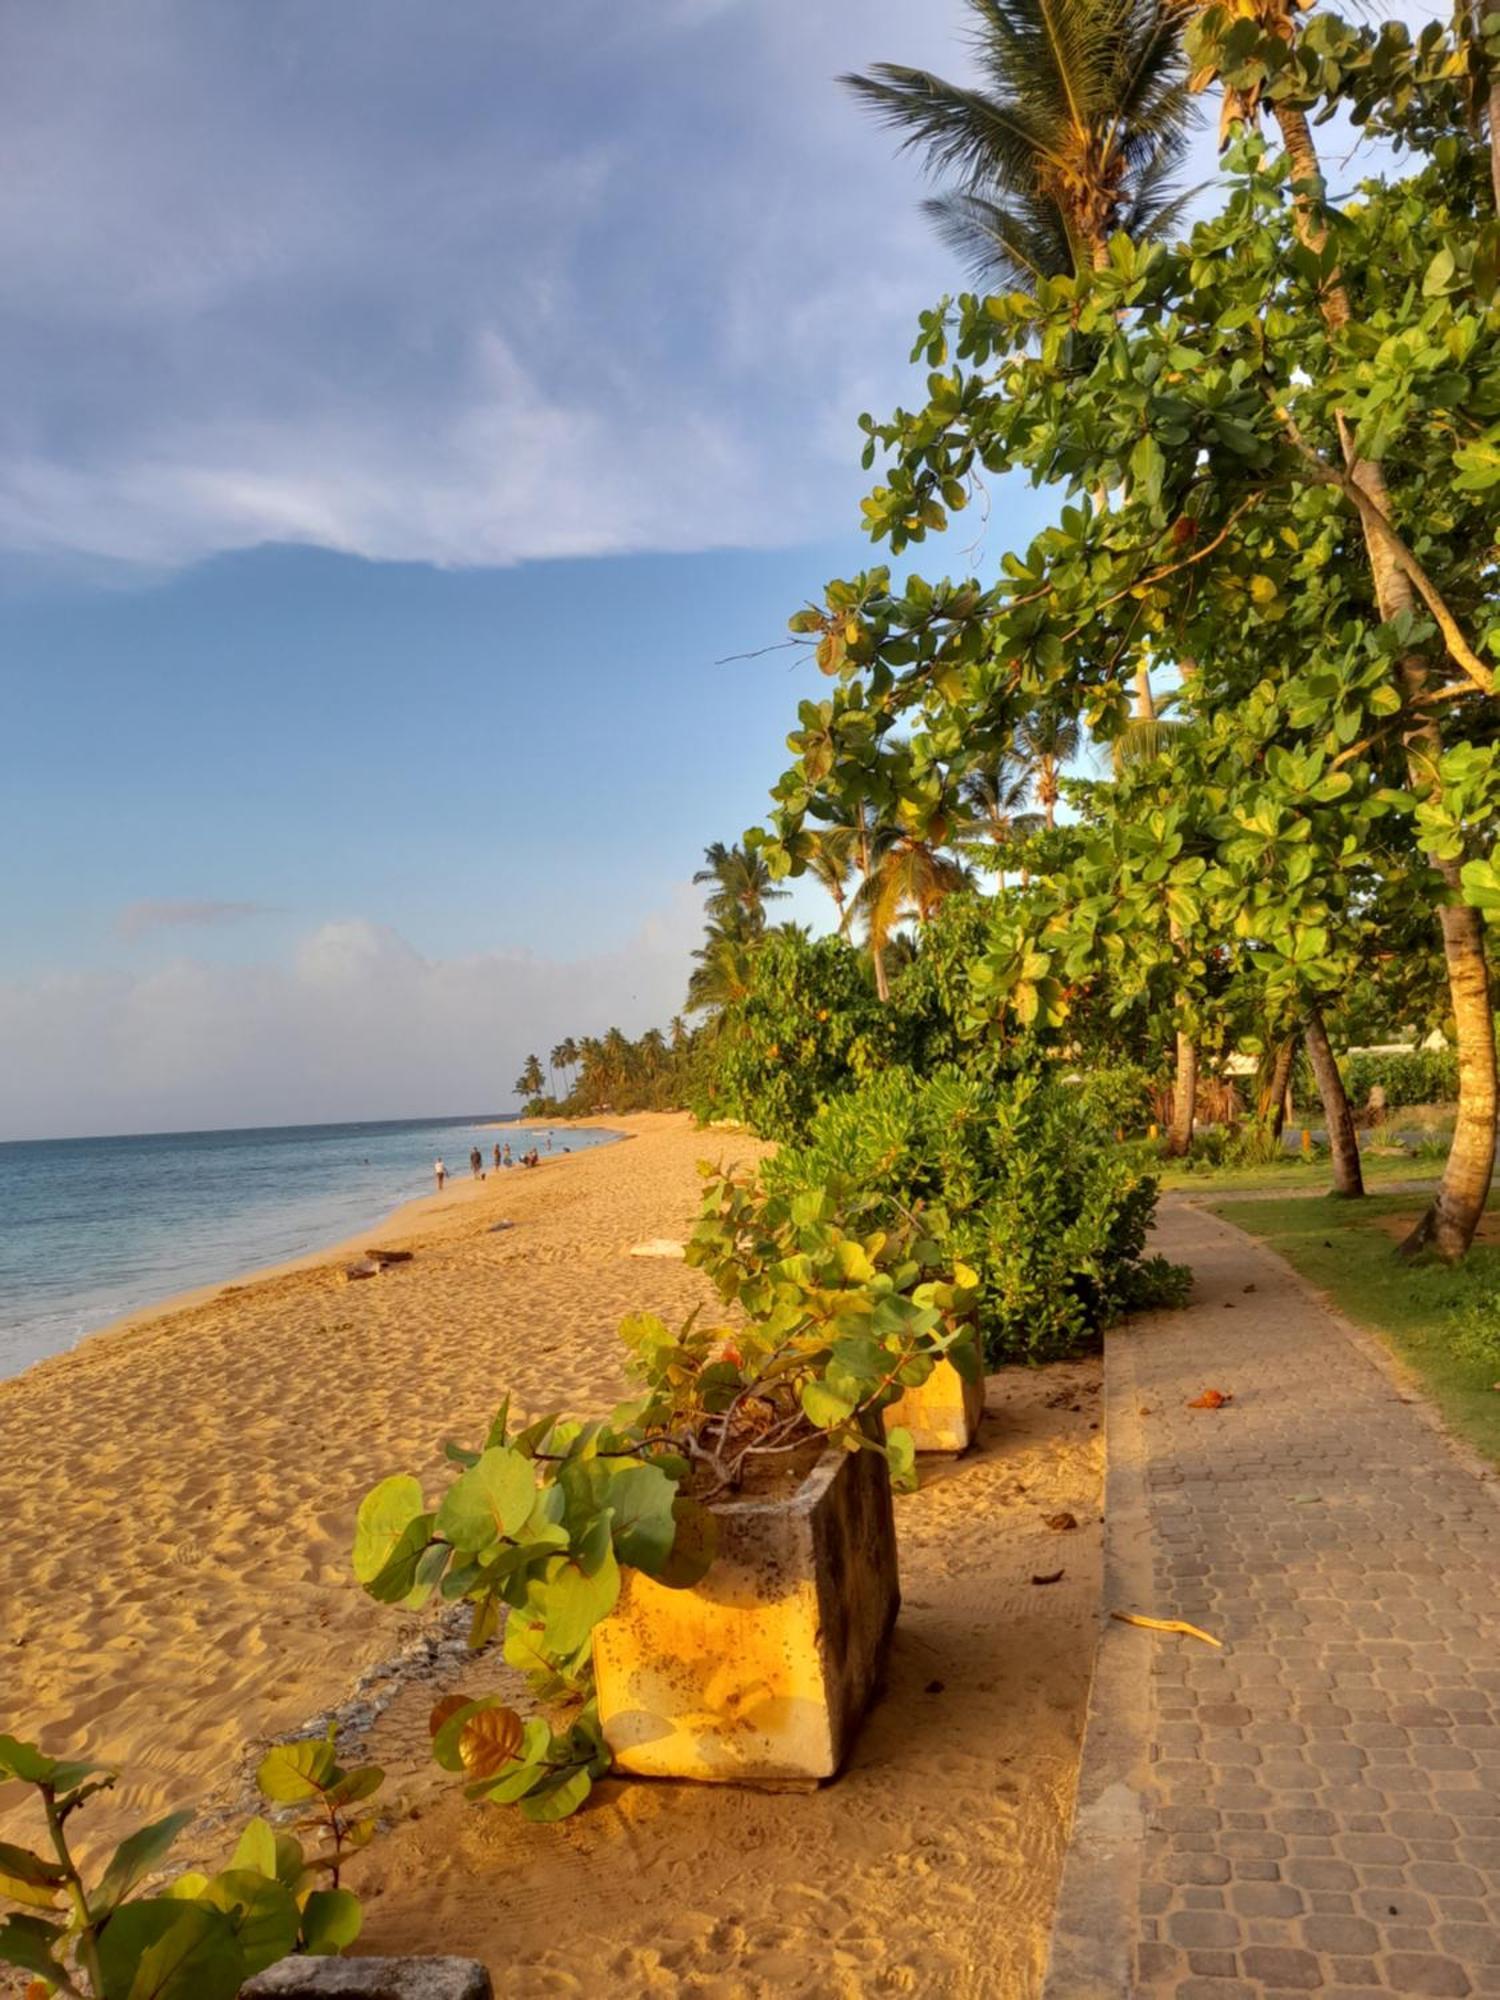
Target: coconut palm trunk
(1450,1222)
(1343,1144)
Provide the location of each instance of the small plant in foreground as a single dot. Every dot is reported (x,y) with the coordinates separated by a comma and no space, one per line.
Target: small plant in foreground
(203,1936)
(540,1523)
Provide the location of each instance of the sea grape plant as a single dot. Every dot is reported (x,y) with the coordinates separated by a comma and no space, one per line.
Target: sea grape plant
(538,1525)
(204,1935)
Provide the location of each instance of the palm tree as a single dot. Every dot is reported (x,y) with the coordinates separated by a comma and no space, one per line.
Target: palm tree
(680,1033)
(994,796)
(1074,133)
(1045,741)
(557,1062)
(569,1052)
(832,857)
(743,887)
(529,1083)
(722,972)
(908,877)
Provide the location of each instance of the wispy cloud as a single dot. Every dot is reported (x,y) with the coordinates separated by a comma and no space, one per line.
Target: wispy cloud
(136,919)
(468,292)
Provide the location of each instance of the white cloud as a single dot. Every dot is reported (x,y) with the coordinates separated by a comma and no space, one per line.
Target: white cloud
(453,287)
(356,1024)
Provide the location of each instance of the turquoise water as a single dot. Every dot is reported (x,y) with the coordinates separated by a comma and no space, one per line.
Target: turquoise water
(93,1228)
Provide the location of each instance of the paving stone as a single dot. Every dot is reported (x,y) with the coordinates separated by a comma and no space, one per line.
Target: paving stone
(1324,1791)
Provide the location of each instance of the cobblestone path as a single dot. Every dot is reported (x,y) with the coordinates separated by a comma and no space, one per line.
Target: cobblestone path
(1316,1807)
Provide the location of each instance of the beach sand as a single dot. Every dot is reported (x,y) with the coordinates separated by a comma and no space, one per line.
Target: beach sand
(178,1497)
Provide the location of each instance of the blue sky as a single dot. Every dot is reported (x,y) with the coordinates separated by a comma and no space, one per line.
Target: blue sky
(406,409)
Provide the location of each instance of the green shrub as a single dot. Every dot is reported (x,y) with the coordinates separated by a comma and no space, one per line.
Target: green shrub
(1476,1331)
(1018,1183)
(808,1026)
(1117,1097)
(1411,1076)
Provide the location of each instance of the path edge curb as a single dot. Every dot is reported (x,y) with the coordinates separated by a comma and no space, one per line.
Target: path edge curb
(1091,1951)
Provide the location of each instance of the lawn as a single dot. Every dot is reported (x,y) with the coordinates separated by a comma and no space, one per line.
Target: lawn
(1294,1173)
(1417,1309)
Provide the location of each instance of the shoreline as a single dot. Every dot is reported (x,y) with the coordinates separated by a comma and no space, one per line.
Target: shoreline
(393,1222)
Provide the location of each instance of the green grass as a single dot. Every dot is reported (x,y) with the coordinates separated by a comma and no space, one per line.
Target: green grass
(1310,1175)
(1419,1310)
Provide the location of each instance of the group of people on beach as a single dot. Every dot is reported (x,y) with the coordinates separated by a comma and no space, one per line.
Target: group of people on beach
(530,1158)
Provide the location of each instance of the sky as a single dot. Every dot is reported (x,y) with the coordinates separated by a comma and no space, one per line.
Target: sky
(409,412)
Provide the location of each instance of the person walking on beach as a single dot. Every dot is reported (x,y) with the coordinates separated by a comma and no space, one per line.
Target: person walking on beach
(497,1156)
(476,1161)
(508,1160)
(440,1172)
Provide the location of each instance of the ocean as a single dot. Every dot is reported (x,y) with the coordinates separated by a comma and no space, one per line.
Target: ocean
(94,1228)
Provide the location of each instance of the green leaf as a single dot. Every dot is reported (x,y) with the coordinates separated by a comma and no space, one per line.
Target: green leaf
(489,1502)
(383,1517)
(257,1849)
(1147,469)
(294,1772)
(33,1767)
(361,1783)
(134,1858)
(331,1921)
(160,1949)
(262,1914)
(571,1600)
(28,1943)
(409,1573)
(641,1499)
(557,1801)
(823,1408)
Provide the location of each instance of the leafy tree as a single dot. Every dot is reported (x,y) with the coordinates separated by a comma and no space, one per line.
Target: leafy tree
(1225,410)
(742,886)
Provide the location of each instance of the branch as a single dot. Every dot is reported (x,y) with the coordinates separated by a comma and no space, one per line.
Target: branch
(1323,474)
(1171,569)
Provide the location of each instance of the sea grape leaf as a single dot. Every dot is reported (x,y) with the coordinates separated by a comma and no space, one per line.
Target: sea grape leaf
(554,1802)
(823,1408)
(360,1783)
(331,1921)
(642,1498)
(489,1740)
(382,1520)
(490,1501)
(571,1599)
(196,1957)
(264,1917)
(256,1848)
(293,1772)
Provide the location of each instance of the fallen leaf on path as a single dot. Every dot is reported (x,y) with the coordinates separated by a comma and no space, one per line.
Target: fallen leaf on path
(1167,1625)
(1060,1523)
(1056,1577)
(1211,1399)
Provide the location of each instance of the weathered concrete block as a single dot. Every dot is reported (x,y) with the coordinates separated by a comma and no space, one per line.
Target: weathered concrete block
(371,1979)
(762,1671)
(943,1413)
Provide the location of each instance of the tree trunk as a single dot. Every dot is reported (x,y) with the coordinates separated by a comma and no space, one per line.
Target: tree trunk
(1184,1097)
(1449,1224)
(1145,702)
(1342,1143)
(1270,1107)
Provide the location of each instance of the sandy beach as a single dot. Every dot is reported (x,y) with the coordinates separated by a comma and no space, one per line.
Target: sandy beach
(179,1495)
